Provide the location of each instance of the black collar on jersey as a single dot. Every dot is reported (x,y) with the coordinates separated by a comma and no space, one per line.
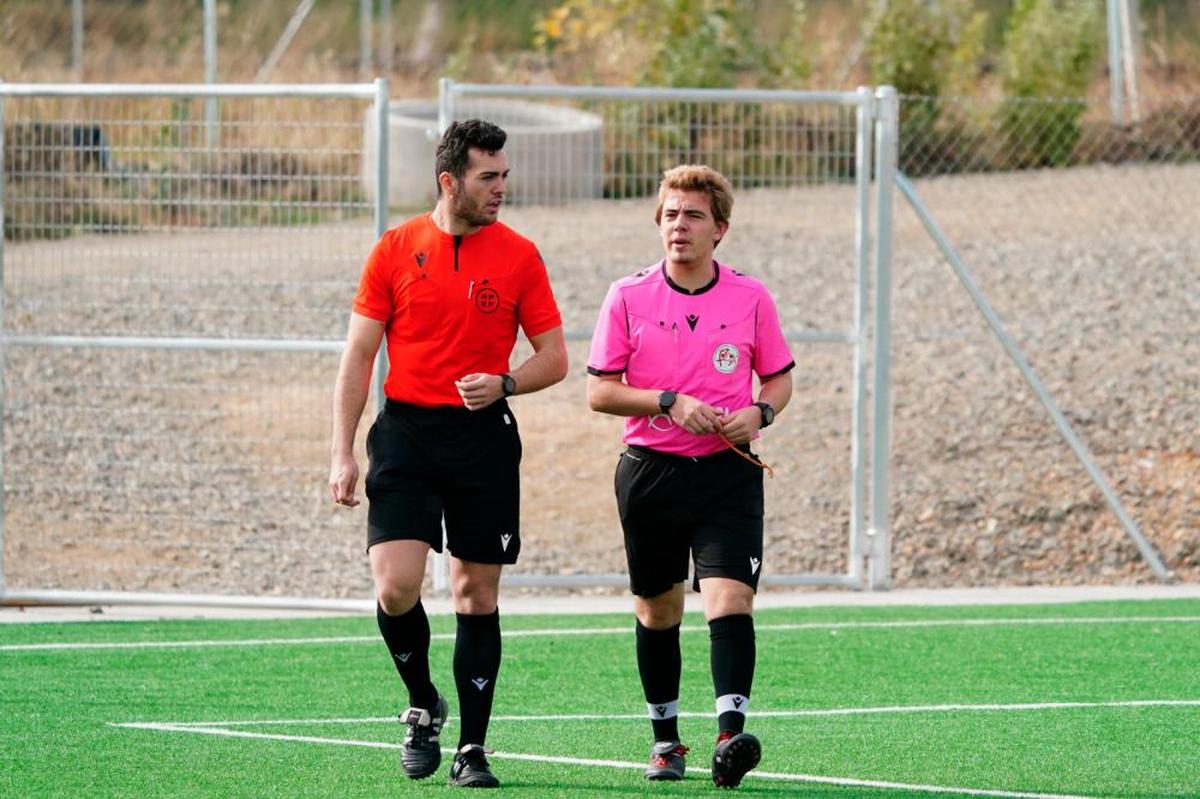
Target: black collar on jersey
(709,285)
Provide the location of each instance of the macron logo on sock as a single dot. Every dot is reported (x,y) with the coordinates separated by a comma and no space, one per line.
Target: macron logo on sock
(663,710)
(732,703)
(480,683)
(404,658)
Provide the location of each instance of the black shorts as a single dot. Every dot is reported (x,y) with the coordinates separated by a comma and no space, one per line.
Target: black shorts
(672,506)
(430,463)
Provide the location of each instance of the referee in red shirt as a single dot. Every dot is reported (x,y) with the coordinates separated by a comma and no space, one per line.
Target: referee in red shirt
(449,289)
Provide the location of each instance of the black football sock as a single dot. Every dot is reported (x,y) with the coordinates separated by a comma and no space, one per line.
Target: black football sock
(732,654)
(659,664)
(407,639)
(476,665)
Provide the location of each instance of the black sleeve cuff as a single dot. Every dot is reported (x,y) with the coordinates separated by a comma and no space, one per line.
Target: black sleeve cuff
(784,370)
(591,370)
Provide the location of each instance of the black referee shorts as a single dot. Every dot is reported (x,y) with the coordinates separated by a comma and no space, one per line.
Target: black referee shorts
(430,463)
(673,506)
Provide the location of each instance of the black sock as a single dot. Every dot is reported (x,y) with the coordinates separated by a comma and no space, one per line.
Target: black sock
(659,664)
(476,664)
(407,639)
(732,639)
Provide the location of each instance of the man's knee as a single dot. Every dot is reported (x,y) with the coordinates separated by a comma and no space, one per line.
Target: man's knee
(476,590)
(662,611)
(396,600)
(724,597)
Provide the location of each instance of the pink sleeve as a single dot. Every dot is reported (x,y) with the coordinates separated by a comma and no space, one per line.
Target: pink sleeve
(771,353)
(611,347)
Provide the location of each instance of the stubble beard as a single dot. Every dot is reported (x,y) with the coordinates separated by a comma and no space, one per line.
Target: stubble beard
(471,212)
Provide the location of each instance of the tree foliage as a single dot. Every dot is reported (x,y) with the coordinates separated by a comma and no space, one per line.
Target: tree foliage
(1050,51)
(925,48)
(692,43)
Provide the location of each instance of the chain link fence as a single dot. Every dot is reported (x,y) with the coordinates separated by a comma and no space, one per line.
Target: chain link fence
(174,289)
(1084,238)
(202,468)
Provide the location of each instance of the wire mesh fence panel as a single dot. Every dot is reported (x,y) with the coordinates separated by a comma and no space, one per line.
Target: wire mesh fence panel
(588,202)
(1084,238)
(175,289)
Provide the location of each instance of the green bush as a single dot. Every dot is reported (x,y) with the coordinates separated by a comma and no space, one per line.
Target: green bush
(1050,51)
(926,50)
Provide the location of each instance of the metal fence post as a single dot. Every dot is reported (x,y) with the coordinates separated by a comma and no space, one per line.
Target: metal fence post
(441,564)
(445,104)
(887,127)
(77,39)
(862,249)
(3,347)
(379,373)
(365,12)
(210,72)
(1116,88)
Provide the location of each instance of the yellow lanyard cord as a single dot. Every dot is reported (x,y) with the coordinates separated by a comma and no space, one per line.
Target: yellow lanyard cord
(756,461)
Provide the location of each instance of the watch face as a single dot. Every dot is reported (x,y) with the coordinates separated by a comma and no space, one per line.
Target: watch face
(508,384)
(666,400)
(768,413)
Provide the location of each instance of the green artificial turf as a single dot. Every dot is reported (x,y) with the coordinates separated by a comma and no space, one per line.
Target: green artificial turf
(311,716)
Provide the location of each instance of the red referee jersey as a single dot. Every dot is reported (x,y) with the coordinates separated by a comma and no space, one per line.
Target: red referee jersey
(451,304)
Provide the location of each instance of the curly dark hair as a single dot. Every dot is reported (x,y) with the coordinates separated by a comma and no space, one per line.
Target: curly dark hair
(453,150)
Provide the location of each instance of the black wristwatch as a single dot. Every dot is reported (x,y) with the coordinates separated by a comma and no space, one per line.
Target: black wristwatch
(768,414)
(508,385)
(665,401)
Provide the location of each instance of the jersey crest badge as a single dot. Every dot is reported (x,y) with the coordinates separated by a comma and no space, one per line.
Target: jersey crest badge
(487,300)
(725,358)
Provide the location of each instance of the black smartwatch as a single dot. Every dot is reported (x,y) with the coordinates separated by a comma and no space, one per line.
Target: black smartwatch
(768,414)
(508,385)
(665,401)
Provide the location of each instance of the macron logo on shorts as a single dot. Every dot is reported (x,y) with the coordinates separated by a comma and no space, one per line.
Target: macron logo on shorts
(754,564)
(504,539)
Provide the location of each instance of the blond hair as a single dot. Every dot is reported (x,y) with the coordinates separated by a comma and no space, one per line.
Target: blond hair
(697,177)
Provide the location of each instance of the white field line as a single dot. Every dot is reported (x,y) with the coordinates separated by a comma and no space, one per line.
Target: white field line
(812,712)
(619,764)
(628,630)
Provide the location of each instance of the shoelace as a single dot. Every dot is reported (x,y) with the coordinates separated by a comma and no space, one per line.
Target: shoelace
(756,461)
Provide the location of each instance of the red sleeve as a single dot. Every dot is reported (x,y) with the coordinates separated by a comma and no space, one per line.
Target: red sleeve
(537,312)
(374,298)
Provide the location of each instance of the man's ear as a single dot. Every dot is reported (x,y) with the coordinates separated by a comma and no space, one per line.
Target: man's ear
(448,183)
(722,229)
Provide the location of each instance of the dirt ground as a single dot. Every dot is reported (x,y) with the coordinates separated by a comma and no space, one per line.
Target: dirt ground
(205,471)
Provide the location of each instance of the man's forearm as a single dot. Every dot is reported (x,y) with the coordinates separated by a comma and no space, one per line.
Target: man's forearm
(619,399)
(547,365)
(349,399)
(777,391)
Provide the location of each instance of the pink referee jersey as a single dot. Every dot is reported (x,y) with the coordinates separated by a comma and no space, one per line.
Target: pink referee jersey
(704,343)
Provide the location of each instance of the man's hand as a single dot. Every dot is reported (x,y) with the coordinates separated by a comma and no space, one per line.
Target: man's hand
(694,416)
(343,477)
(741,425)
(479,390)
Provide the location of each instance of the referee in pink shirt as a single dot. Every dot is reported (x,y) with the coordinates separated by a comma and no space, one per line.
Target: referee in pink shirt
(674,352)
